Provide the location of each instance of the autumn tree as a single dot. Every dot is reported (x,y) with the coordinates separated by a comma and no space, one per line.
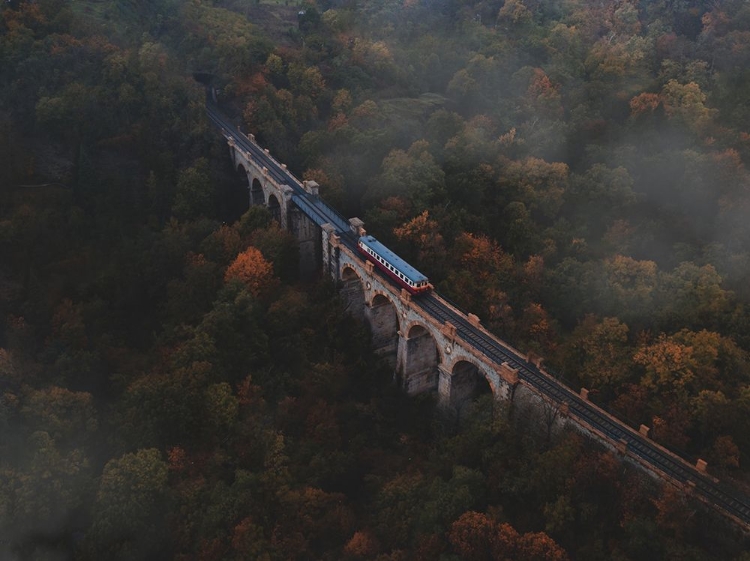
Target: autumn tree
(476,537)
(538,546)
(598,354)
(422,233)
(252,270)
(540,185)
(482,274)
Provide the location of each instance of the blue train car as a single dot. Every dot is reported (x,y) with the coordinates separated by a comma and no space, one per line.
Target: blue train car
(393,266)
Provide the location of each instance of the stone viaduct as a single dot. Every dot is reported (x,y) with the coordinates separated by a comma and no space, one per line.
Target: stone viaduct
(456,357)
(425,354)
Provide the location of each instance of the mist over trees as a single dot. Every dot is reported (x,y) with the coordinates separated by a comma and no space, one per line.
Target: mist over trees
(572,172)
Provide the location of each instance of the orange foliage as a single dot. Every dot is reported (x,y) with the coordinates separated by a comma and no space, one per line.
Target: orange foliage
(248,540)
(361,545)
(177,458)
(644,103)
(337,121)
(471,536)
(541,85)
(475,537)
(537,325)
(255,84)
(249,394)
(253,270)
(725,452)
(715,22)
(538,546)
(668,364)
(422,231)
(533,271)
(483,255)
(543,94)
(399,206)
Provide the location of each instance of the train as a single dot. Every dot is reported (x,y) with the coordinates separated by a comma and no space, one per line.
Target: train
(392,265)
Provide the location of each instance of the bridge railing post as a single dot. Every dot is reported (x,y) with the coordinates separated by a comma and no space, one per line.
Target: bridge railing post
(357,226)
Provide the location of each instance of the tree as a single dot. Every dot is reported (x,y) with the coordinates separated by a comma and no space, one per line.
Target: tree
(538,546)
(693,297)
(674,514)
(600,193)
(538,328)
(539,185)
(413,174)
(423,234)
(222,407)
(480,274)
(194,192)
(631,287)
(44,486)
(476,537)
(362,545)
(725,453)
(686,103)
(252,270)
(129,507)
(249,542)
(68,417)
(598,355)
(669,366)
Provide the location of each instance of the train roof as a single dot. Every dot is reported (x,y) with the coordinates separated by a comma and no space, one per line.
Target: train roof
(408,271)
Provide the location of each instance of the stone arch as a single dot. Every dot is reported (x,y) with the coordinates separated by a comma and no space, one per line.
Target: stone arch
(353,291)
(383,319)
(275,207)
(419,359)
(257,197)
(468,382)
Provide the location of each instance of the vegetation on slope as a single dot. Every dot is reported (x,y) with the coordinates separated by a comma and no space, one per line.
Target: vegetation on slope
(169,390)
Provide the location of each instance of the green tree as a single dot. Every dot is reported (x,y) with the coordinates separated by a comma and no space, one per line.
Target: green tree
(194,192)
(128,512)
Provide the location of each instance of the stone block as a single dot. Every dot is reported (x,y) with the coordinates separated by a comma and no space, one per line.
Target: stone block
(622,446)
(448,330)
(508,373)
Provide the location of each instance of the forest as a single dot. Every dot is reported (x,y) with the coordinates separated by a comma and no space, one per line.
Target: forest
(572,172)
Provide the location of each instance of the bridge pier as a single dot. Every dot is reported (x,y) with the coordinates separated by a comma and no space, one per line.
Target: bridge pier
(329,251)
(308,239)
(381,315)
(444,388)
(418,361)
(352,291)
